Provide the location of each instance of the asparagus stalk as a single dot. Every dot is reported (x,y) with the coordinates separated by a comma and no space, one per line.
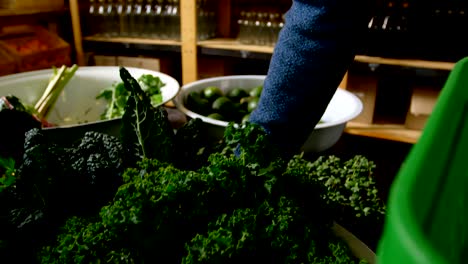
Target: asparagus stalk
(55,86)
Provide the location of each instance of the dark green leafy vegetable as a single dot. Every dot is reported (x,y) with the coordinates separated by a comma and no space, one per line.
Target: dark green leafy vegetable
(237,207)
(237,202)
(17,119)
(146,131)
(7,173)
(54,182)
(192,145)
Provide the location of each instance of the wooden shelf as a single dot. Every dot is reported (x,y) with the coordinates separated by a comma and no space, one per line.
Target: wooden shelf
(389,132)
(433,65)
(233,44)
(143,41)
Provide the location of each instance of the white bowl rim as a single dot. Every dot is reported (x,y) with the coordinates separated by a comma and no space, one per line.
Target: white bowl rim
(167,77)
(179,102)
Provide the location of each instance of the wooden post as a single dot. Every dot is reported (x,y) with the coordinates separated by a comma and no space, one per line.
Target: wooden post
(75,19)
(344,82)
(224,13)
(188,22)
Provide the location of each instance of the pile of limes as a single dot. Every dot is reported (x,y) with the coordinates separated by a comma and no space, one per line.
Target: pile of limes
(234,105)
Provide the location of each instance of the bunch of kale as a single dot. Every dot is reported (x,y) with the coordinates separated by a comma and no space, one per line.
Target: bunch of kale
(243,203)
(181,200)
(54,182)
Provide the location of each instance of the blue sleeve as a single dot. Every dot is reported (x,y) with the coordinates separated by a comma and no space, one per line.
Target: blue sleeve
(314,50)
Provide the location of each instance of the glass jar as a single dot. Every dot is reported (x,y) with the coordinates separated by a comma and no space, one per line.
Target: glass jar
(147,20)
(92,18)
(112,20)
(125,27)
(136,19)
(120,18)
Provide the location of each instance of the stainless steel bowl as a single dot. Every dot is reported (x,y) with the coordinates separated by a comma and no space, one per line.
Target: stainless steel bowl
(343,107)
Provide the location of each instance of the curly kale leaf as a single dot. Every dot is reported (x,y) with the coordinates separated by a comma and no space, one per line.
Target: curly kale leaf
(347,184)
(84,240)
(55,182)
(347,191)
(230,210)
(275,232)
(192,145)
(250,141)
(146,131)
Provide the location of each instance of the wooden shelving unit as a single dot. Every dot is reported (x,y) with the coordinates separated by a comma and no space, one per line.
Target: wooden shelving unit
(190,48)
(15,16)
(51,17)
(422,64)
(233,44)
(143,41)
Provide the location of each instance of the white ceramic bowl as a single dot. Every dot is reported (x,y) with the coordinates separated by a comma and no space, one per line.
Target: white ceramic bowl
(343,107)
(77,109)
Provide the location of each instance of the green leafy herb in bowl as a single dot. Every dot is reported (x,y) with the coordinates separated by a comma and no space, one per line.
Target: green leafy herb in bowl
(117,96)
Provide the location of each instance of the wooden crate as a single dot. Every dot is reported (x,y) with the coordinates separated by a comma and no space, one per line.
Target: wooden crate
(213,67)
(7,63)
(139,62)
(102,60)
(35,48)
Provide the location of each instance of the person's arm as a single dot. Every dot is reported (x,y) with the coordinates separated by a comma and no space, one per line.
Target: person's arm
(314,50)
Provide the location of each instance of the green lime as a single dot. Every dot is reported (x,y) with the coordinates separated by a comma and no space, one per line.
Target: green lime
(211,93)
(216,116)
(237,93)
(256,91)
(223,105)
(245,118)
(252,104)
(244,101)
(238,112)
(193,95)
(197,104)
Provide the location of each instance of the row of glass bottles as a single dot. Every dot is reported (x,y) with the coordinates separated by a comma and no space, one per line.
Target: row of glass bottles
(259,28)
(145,19)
